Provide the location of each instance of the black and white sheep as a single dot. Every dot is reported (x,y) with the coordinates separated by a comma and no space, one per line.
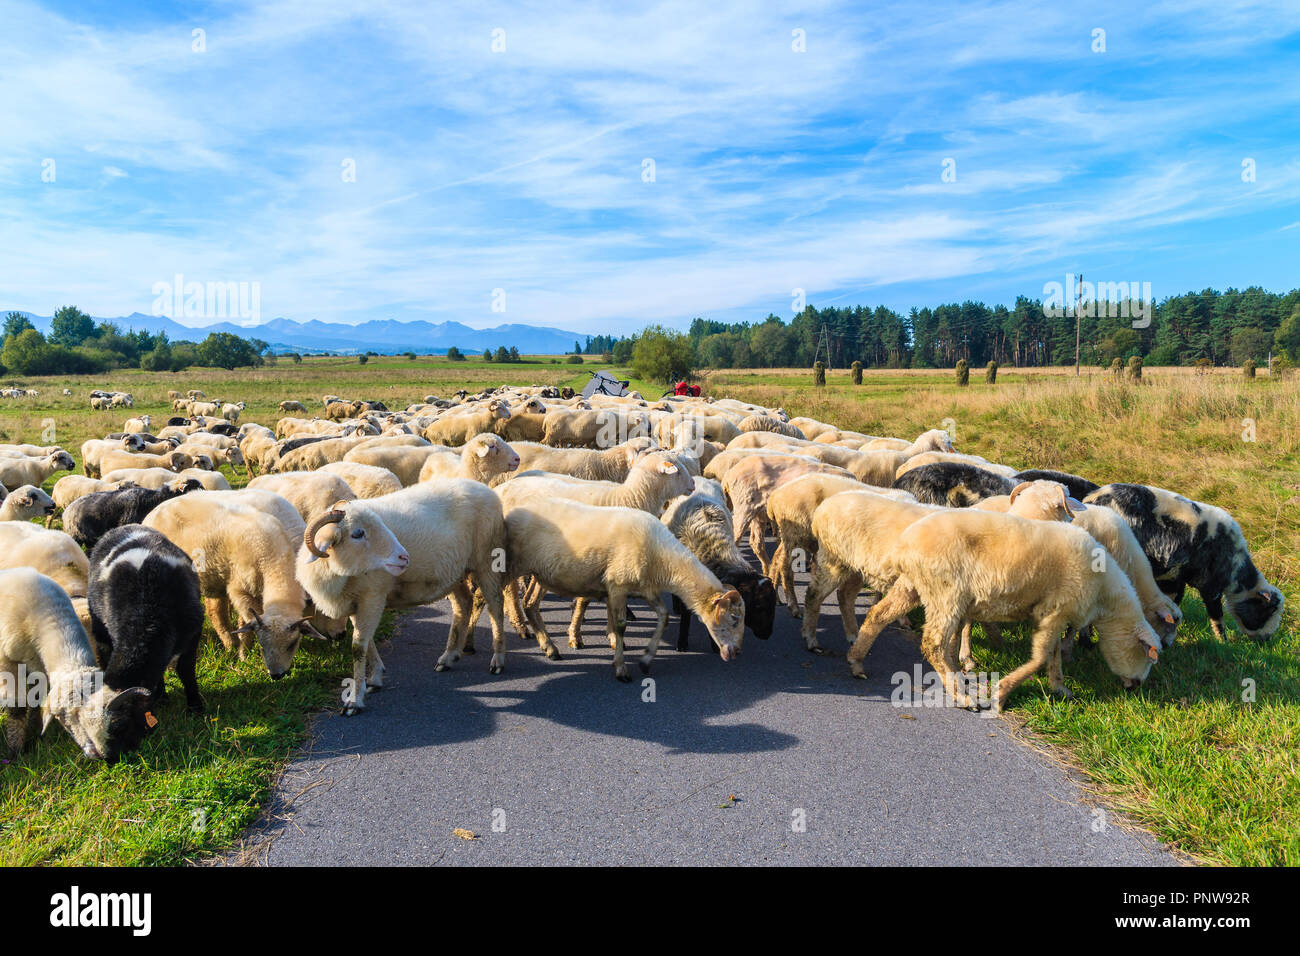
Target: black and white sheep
(1190,543)
(1079,488)
(145,611)
(954,484)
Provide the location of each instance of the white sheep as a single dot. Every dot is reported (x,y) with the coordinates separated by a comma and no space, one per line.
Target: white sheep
(16,472)
(312,493)
(482,459)
(598,553)
(40,633)
(966,563)
(53,553)
(26,503)
(366,481)
(405,549)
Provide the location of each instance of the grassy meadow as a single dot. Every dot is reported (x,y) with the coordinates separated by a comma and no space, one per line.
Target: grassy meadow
(1205,754)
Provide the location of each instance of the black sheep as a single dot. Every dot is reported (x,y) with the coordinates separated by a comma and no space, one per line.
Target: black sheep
(145,612)
(1079,488)
(91,517)
(955,484)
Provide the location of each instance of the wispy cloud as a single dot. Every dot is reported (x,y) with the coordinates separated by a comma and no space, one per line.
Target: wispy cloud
(637,163)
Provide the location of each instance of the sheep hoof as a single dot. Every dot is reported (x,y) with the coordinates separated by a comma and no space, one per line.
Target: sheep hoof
(967,665)
(645,666)
(819,650)
(441,666)
(498,664)
(859,673)
(575,645)
(1063,693)
(351,710)
(553,653)
(468,649)
(796,613)
(621,674)
(681,645)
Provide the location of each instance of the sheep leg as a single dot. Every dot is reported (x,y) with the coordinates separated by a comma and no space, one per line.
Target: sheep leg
(938,641)
(1055,676)
(684,622)
(575,625)
(899,599)
(462,605)
(185,665)
(365,620)
(493,585)
(661,621)
(757,544)
(783,562)
(21,726)
(477,604)
(847,594)
(515,608)
(1214,611)
(615,602)
(374,669)
(822,582)
(532,610)
(1044,635)
(218,609)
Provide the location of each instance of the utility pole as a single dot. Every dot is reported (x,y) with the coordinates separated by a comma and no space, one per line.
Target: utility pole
(1078,298)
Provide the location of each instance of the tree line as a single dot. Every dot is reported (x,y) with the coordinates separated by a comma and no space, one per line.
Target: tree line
(76,345)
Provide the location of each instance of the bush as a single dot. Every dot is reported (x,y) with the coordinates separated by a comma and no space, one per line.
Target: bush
(857,373)
(1135,368)
(991,374)
(662,355)
(1248,368)
(295,358)
(363,358)
(410,356)
(963,372)
(455,355)
(573,360)
(819,374)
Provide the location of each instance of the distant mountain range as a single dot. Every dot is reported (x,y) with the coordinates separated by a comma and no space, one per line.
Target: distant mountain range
(385,337)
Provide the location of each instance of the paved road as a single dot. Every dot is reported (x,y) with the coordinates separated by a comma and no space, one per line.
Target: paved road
(574,767)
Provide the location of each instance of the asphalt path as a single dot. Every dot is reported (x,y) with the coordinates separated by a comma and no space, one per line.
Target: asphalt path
(779,757)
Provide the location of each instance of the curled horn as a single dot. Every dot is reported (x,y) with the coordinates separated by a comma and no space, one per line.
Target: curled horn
(309,536)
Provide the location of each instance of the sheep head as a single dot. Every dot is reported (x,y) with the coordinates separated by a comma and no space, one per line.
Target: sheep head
(354,540)
(278,636)
(105,723)
(495,455)
(724,615)
(1129,649)
(1043,501)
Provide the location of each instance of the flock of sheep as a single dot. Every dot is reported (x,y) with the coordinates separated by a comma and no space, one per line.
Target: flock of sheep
(496,500)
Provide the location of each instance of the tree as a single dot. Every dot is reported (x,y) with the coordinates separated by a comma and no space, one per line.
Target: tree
(1287,338)
(623,350)
(455,355)
(662,355)
(1249,343)
(487,355)
(502,355)
(26,353)
(514,354)
(227,350)
(15,323)
(71,327)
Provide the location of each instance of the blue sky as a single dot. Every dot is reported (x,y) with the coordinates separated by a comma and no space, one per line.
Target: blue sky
(522,170)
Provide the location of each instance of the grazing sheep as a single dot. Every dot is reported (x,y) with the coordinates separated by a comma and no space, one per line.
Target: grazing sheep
(292,407)
(312,493)
(311,455)
(91,517)
(458,428)
(954,484)
(1193,544)
(145,612)
(748,484)
(482,459)
(406,549)
(790,510)
(40,633)
(366,481)
(766,423)
(607,554)
(158,477)
(934,457)
(115,460)
(231,412)
(404,461)
(71,487)
(53,553)
(609,464)
(245,562)
(16,472)
(1079,488)
(651,483)
(981,565)
(26,503)
(702,522)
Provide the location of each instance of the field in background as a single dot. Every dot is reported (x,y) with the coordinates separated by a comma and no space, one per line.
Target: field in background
(1206,754)
(1210,772)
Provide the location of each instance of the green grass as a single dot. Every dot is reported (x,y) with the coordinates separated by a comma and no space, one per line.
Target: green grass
(195,785)
(1210,773)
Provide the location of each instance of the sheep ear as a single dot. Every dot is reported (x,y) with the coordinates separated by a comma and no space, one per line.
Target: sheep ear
(1167,617)
(46,715)
(668,468)
(1074,505)
(129,697)
(1017,489)
(483,450)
